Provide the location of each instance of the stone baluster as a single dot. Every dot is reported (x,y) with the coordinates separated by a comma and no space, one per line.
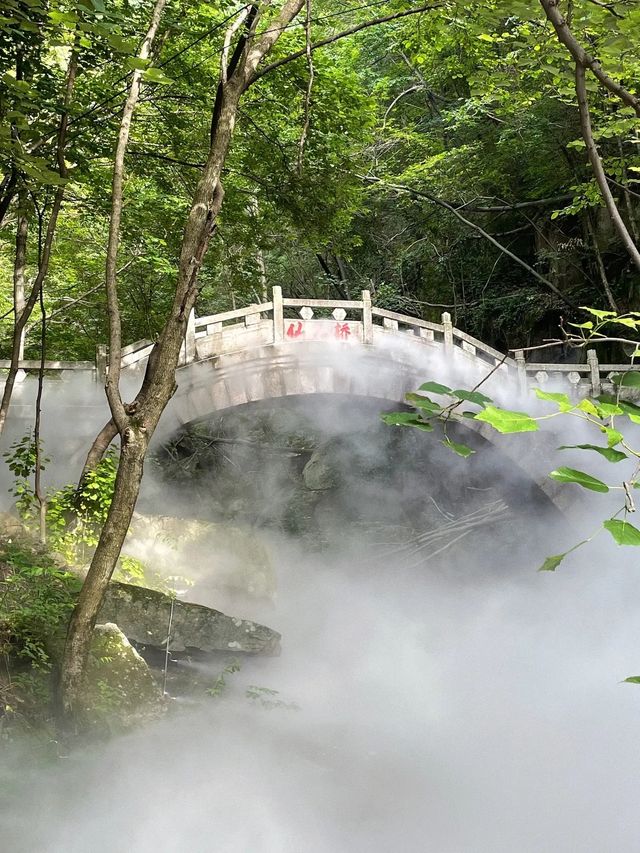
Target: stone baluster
(101,363)
(521,366)
(278,315)
(448,330)
(367,318)
(190,338)
(592,361)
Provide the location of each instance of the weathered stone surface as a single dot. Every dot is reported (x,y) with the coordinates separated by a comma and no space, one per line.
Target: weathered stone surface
(119,689)
(321,472)
(144,614)
(229,557)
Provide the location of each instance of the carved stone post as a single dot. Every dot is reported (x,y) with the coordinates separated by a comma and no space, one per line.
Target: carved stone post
(592,361)
(448,330)
(101,363)
(521,365)
(278,315)
(367,318)
(190,338)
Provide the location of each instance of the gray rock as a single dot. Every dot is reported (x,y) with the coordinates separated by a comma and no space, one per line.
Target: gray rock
(119,690)
(320,472)
(143,615)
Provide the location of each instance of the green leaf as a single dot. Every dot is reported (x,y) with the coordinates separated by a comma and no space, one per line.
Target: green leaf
(631,411)
(587,325)
(156,75)
(562,401)
(552,563)
(623,532)
(630,379)
(606,410)
(424,403)
(507,422)
(599,314)
(633,679)
(609,453)
(571,475)
(435,388)
(137,63)
(613,436)
(460,449)
(406,419)
(473,397)
(588,407)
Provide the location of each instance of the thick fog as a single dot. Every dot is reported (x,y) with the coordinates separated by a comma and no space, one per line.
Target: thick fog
(466,704)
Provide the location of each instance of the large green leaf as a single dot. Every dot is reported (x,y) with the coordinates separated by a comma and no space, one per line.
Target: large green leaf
(506,422)
(633,679)
(561,400)
(609,453)
(406,419)
(631,411)
(425,403)
(435,388)
(630,379)
(473,397)
(623,532)
(571,475)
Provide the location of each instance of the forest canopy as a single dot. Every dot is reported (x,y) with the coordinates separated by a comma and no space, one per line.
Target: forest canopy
(381,160)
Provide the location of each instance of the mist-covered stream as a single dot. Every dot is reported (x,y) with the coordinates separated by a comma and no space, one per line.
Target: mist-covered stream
(463,705)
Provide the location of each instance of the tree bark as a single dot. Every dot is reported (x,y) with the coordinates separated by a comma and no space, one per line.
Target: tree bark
(125,495)
(598,168)
(584,59)
(43,263)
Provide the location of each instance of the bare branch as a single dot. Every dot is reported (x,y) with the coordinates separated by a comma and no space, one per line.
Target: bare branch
(112,385)
(485,234)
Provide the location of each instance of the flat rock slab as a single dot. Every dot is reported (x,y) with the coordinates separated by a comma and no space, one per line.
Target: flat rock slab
(143,615)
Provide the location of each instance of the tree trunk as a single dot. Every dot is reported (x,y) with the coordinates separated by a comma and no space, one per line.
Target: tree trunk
(114,532)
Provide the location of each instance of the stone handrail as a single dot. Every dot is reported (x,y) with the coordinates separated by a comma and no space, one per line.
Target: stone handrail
(347,321)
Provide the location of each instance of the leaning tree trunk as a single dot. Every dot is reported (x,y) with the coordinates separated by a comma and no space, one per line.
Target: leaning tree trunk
(114,532)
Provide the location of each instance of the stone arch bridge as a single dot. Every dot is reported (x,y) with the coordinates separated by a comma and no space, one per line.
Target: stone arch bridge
(289,347)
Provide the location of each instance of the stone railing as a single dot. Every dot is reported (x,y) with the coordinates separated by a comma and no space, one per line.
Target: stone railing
(349,322)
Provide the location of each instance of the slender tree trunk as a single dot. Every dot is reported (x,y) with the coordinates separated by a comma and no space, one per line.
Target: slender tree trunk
(114,532)
(43,265)
(601,268)
(20,268)
(598,168)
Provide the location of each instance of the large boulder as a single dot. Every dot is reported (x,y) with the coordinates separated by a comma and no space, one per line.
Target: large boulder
(321,471)
(145,615)
(119,690)
(224,557)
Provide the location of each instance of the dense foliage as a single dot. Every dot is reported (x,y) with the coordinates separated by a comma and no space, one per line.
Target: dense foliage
(468,104)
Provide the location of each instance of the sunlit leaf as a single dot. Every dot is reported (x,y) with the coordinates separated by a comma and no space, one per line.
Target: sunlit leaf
(571,475)
(506,421)
(596,313)
(588,407)
(561,400)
